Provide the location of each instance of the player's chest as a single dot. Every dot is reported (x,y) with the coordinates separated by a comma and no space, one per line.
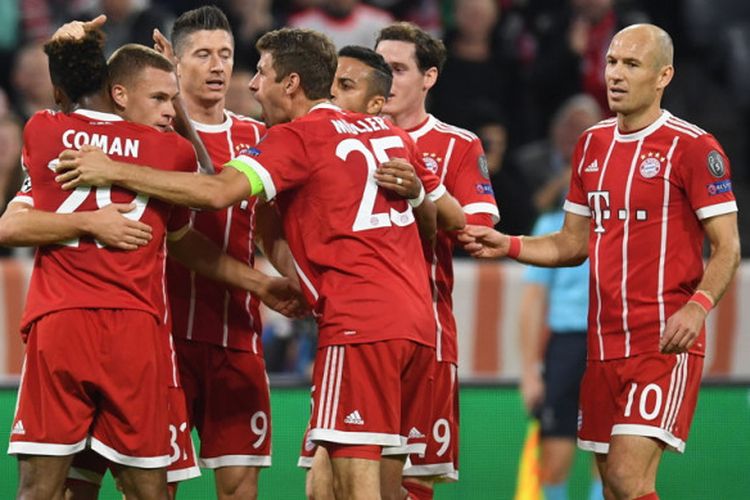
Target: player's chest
(629,182)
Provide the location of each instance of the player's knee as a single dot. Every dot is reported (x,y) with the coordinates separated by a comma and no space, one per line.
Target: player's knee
(623,480)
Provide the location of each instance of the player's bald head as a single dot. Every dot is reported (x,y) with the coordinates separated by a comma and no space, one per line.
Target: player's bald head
(655,42)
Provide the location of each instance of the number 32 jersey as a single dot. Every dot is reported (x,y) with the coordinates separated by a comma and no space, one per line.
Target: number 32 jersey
(647,194)
(83,273)
(355,245)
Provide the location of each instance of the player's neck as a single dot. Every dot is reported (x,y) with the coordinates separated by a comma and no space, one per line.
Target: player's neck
(638,121)
(303,106)
(208,113)
(410,118)
(96,102)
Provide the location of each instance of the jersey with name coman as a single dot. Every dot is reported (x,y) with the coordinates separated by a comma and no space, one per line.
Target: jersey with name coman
(354,244)
(205,310)
(456,156)
(647,194)
(83,273)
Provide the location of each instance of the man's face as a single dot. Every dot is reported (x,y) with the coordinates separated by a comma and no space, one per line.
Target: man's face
(150,99)
(408,89)
(351,85)
(631,74)
(270,93)
(205,65)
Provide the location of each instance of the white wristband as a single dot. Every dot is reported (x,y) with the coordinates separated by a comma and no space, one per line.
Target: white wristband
(415,202)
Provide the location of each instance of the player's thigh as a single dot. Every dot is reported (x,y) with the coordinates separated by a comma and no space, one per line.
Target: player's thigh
(237,411)
(237,482)
(41,476)
(657,397)
(141,483)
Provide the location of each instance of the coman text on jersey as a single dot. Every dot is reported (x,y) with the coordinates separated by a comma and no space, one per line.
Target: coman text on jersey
(111,145)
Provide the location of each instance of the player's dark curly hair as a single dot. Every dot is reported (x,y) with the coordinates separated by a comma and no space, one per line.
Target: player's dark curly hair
(310,54)
(208,17)
(382,75)
(430,51)
(78,67)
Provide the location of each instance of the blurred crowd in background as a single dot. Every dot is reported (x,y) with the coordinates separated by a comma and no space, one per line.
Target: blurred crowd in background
(527,76)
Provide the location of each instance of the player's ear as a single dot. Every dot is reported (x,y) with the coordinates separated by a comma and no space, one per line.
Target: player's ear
(119,95)
(665,76)
(292,83)
(375,105)
(430,77)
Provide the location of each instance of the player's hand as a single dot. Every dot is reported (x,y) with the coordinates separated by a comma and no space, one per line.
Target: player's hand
(398,175)
(88,166)
(110,226)
(283,296)
(682,328)
(164,46)
(76,30)
(484,242)
(532,390)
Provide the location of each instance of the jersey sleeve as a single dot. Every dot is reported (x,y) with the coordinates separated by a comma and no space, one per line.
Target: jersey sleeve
(469,182)
(279,161)
(576,202)
(704,171)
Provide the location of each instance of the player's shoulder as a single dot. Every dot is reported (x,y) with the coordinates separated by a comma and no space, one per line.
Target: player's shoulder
(462,134)
(602,127)
(44,117)
(691,136)
(239,120)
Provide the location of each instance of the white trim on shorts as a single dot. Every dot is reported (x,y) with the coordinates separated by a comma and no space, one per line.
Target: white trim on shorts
(85,475)
(445,471)
(673,443)
(407,449)
(157,462)
(45,449)
(595,446)
(235,461)
(345,437)
(305,462)
(177,475)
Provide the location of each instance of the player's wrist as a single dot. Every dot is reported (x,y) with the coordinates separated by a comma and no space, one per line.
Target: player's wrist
(419,199)
(515,244)
(703,299)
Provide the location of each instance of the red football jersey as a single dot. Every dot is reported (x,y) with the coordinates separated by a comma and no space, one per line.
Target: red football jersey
(205,310)
(457,157)
(354,244)
(82,273)
(646,193)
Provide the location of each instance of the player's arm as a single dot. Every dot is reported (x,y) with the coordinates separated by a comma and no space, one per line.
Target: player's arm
(269,236)
(684,326)
(567,247)
(89,166)
(195,251)
(531,326)
(23,225)
(450,215)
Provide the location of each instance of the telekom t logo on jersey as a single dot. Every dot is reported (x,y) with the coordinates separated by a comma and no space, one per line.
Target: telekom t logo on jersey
(599,204)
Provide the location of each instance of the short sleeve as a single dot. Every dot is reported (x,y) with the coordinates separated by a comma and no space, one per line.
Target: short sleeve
(279,160)
(576,202)
(703,168)
(468,180)
(180,221)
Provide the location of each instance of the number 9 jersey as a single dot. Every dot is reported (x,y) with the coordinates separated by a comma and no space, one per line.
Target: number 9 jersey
(84,273)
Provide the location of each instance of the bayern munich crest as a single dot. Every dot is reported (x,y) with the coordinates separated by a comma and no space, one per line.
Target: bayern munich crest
(430,162)
(651,164)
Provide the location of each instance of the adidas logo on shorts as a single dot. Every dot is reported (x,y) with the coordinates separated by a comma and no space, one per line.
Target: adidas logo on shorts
(354,418)
(18,428)
(415,434)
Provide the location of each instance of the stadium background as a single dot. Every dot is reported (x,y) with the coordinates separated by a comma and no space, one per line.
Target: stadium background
(712,88)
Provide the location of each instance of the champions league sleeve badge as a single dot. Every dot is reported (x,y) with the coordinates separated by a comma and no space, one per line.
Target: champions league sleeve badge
(715,164)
